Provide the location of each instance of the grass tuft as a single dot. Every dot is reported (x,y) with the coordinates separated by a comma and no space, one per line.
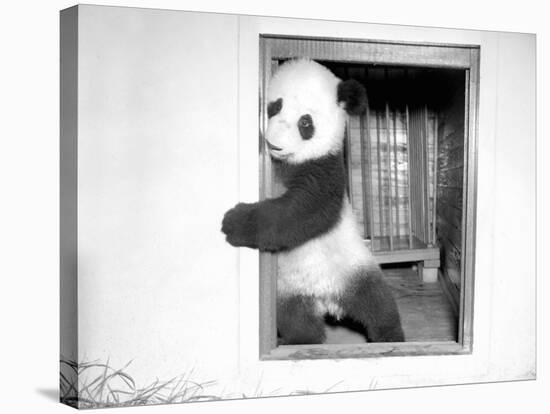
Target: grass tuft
(98,385)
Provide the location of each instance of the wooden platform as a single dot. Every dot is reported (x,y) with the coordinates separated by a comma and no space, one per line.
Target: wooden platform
(403,250)
(382,243)
(426,313)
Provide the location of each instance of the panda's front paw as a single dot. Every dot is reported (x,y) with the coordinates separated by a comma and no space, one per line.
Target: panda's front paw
(240,226)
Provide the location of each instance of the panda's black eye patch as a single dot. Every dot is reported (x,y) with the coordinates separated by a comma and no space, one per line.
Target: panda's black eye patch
(305,126)
(273,108)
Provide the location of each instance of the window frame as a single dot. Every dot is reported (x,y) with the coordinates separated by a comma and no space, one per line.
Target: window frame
(424,54)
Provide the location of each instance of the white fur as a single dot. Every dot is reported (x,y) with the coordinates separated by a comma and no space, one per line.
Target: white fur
(306,87)
(323,266)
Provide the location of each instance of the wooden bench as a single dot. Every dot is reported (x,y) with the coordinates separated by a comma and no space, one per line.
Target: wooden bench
(404,250)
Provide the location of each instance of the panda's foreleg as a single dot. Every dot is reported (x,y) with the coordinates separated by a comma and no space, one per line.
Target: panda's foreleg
(368,299)
(282,223)
(298,322)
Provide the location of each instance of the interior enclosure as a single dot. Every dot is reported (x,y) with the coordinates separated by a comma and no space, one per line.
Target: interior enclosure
(407,163)
(405,160)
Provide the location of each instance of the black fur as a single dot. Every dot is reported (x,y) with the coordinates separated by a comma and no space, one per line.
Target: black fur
(353,95)
(273,108)
(305,126)
(369,301)
(310,207)
(297,322)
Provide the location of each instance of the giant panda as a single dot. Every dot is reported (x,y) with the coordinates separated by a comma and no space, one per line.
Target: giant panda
(324,266)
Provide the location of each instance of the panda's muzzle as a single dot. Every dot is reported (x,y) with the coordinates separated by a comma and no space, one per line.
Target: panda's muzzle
(272,147)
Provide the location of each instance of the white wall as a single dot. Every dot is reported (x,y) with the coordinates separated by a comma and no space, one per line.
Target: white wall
(157,169)
(168,132)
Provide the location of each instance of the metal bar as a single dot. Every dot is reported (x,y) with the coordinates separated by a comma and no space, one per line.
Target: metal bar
(348,150)
(434,216)
(348,162)
(414,173)
(388,158)
(425,169)
(378,162)
(364,177)
(417,174)
(369,169)
(408,141)
(395,175)
(369,176)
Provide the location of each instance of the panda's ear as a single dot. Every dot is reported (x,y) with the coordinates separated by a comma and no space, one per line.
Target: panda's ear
(353,97)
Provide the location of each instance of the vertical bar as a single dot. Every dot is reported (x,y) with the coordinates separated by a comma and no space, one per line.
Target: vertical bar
(388,158)
(348,150)
(379,162)
(349,161)
(418,174)
(364,178)
(422,155)
(414,173)
(408,141)
(368,145)
(434,212)
(425,169)
(369,175)
(395,175)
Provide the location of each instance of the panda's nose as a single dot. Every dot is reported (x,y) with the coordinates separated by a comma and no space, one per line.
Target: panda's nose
(272,147)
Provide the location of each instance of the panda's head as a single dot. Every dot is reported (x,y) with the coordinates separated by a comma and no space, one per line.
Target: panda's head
(306,107)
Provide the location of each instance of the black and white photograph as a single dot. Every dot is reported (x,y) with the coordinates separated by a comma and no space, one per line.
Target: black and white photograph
(252,205)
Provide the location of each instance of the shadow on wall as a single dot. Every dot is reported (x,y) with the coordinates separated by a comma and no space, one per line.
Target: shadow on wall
(51,394)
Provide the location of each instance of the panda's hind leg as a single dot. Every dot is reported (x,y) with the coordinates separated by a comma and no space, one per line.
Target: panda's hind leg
(369,301)
(298,321)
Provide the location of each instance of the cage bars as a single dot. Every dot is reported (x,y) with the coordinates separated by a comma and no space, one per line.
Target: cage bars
(379,177)
(365,176)
(425,184)
(434,202)
(396,175)
(389,187)
(393,187)
(366,170)
(407,129)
